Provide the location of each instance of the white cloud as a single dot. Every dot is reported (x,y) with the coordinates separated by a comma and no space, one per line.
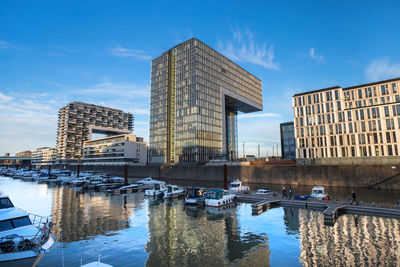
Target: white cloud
(257,115)
(5,98)
(120,51)
(28,121)
(243,48)
(381,68)
(318,58)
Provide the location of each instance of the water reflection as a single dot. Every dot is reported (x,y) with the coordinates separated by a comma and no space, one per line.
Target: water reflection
(184,236)
(353,241)
(83,215)
(131,230)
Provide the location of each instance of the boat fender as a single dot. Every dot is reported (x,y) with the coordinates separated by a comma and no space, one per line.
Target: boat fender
(25,244)
(7,246)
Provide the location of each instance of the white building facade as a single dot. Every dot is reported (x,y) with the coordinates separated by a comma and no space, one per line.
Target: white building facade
(358,121)
(124,149)
(44,156)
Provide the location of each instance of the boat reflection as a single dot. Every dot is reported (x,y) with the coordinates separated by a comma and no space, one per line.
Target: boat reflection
(82,216)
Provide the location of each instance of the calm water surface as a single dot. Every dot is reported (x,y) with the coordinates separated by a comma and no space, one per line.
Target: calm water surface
(131,230)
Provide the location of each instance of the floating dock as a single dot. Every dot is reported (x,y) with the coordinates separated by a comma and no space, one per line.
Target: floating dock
(331,210)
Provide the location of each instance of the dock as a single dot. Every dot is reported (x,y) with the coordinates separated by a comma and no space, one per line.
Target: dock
(331,210)
(263,205)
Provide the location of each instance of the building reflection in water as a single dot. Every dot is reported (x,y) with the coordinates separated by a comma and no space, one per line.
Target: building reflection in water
(354,240)
(184,236)
(82,216)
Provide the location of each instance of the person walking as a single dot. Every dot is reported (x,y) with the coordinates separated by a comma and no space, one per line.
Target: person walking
(354,199)
(283,192)
(290,192)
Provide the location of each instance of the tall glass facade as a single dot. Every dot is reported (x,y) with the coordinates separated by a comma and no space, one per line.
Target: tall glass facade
(195,96)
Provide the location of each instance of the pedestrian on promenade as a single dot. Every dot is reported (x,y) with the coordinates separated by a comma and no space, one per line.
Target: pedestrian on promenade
(290,192)
(354,199)
(283,192)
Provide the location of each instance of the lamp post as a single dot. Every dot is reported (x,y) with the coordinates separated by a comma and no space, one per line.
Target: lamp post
(258,148)
(244,154)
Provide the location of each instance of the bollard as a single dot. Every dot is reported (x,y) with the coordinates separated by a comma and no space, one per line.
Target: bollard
(126,174)
(225,177)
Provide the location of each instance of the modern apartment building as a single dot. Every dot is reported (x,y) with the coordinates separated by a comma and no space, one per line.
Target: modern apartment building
(196,94)
(44,156)
(115,150)
(26,153)
(358,121)
(77,122)
(288,142)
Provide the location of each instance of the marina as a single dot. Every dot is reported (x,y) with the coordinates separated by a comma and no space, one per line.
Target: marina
(131,225)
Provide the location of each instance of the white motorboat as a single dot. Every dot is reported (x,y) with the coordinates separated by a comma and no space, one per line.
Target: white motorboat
(237,187)
(97,263)
(80,181)
(174,191)
(318,192)
(123,189)
(24,238)
(195,196)
(219,198)
(149,181)
(264,192)
(158,190)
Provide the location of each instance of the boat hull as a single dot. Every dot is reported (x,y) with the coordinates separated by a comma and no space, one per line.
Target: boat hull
(220,202)
(25,258)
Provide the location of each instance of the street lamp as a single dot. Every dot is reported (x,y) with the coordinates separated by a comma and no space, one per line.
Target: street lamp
(244,155)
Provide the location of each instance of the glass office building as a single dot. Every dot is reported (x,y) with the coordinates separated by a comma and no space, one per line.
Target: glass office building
(196,94)
(288,142)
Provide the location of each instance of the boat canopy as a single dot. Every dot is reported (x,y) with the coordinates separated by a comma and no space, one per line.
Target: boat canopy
(12,213)
(216,193)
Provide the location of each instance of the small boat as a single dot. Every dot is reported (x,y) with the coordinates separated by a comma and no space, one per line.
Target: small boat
(174,191)
(318,192)
(79,181)
(264,192)
(237,187)
(123,189)
(24,238)
(96,264)
(302,197)
(149,181)
(157,191)
(219,198)
(195,196)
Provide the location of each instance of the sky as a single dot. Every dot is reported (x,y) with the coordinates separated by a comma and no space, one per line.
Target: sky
(100,52)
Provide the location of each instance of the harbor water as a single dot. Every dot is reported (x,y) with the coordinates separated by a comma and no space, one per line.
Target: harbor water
(132,230)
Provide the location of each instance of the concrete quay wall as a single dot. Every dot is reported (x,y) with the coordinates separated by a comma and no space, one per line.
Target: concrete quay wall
(381,176)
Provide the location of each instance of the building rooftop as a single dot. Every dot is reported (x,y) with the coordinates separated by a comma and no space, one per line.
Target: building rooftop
(347,88)
(215,51)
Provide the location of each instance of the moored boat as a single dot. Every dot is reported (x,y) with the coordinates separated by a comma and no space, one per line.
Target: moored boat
(318,192)
(24,238)
(174,191)
(237,187)
(195,196)
(157,191)
(219,198)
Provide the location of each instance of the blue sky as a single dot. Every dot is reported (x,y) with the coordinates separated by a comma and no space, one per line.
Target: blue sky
(55,52)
